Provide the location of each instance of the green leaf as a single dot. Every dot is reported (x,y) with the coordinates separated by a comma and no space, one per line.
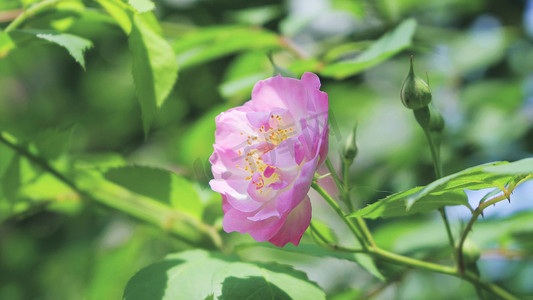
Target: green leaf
(445,191)
(324,230)
(243,86)
(52,142)
(201,46)
(150,182)
(11,180)
(6,44)
(158,184)
(75,45)
(195,146)
(387,46)
(363,260)
(154,68)
(410,235)
(243,72)
(48,190)
(118,13)
(142,5)
(198,274)
(521,167)
(184,197)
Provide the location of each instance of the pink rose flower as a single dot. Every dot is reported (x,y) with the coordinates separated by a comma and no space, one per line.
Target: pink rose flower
(265,155)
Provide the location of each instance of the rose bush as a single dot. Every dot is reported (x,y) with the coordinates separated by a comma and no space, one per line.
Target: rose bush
(265,155)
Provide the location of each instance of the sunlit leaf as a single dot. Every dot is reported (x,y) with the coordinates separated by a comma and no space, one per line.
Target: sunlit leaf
(75,45)
(142,5)
(445,191)
(6,44)
(198,274)
(154,68)
(387,46)
(363,260)
(196,147)
(118,13)
(322,229)
(158,184)
(206,44)
(520,167)
(147,181)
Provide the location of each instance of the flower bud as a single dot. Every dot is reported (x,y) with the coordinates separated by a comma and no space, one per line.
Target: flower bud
(415,93)
(350,150)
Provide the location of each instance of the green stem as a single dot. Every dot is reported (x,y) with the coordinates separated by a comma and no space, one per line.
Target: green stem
(437,166)
(342,186)
(475,215)
(469,276)
(359,222)
(339,212)
(182,226)
(38,161)
(334,174)
(435,154)
(30,12)
(411,262)
(330,245)
(444,217)
(346,187)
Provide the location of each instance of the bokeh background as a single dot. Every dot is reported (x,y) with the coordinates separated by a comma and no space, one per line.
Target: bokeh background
(478,55)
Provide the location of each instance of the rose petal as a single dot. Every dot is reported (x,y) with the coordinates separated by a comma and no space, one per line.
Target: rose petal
(295,225)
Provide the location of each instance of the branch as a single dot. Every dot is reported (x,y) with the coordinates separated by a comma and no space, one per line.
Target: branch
(411,262)
(179,224)
(479,211)
(30,12)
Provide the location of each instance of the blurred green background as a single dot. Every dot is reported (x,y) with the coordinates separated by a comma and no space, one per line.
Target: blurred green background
(479,58)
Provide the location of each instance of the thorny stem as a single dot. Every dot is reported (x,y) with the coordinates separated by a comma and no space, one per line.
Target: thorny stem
(475,215)
(385,255)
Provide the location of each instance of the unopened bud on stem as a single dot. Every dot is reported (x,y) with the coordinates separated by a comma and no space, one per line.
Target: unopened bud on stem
(350,150)
(415,93)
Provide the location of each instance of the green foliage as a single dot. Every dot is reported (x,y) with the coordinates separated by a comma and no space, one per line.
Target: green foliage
(313,250)
(52,143)
(387,46)
(521,167)
(154,68)
(119,14)
(206,44)
(81,177)
(160,185)
(443,192)
(11,180)
(6,43)
(75,45)
(142,5)
(199,274)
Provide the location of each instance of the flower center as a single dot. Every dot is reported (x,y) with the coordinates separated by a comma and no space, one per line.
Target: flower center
(269,137)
